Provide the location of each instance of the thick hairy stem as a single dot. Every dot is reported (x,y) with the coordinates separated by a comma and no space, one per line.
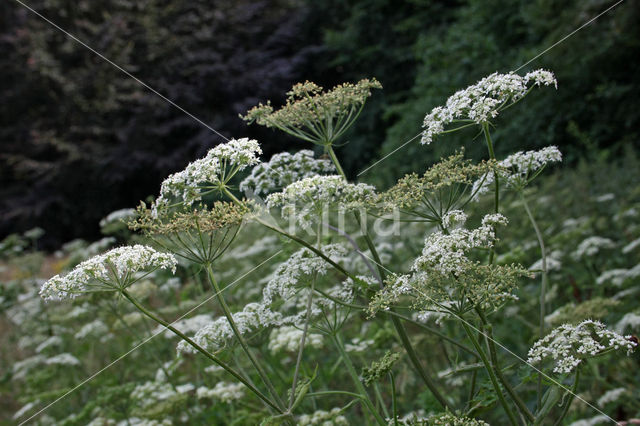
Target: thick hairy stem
(543,287)
(490,371)
(356,380)
(203,351)
(243,343)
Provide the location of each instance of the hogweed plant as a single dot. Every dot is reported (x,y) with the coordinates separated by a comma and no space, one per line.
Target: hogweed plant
(414,329)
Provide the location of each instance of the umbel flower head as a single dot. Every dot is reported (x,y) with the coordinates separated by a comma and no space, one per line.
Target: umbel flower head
(278,299)
(220,215)
(220,222)
(114,270)
(569,345)
(483,101)
(208,174)
(313,115)
(283,169)
(444,279)
(440,189)
(305,199)
(518,170)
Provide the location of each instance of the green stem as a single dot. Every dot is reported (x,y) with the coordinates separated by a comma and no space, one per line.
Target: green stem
(472,389)
(394,408)
(308,246)
(336,163)
(492,155)
(243,343)
(574,388)
(376,390)
(522,407)
(402,317)
(402,333)
(327,393)
(356,380)
(203,351)
(492,376)
(543,287)
(302,342)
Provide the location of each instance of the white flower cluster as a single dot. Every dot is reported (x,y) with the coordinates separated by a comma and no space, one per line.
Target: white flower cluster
(92,329)
(63,359)
(445,253)
(306,199)
(324,418)
(593,421)
(611,396)
(483,100)
(186,325)
(290,274)
(358,345)
(215,334)
(569,345)
(630,320)
(117,216)
(592,246)
(554,261)
(150,393)
(224,391)
(283,169)
(453,218)
(618,276)
(239,153)
(284,284)
(107,272)
(631,246)
(21,369)
(236,154)
(53,341)
(287,338)
(517,170)
(25,409)
(419,418)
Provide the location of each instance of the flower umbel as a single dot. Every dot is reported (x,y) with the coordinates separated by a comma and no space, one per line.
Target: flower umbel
(208,174)
(313,115)
(305,200)
(518,170)
(483,101)
(283,169)
(112,271)
(569,345)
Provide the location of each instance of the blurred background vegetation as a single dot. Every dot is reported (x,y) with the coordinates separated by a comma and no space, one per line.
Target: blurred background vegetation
(79,139)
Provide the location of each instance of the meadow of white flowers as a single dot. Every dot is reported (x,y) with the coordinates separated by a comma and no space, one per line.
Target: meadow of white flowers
(278,291)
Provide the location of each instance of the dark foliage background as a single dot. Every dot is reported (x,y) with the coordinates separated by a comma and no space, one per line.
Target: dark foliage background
(79,139)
